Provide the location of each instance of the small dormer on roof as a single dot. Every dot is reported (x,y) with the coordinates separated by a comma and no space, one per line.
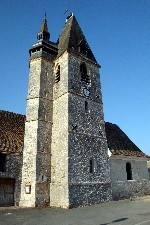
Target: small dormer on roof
(43,34)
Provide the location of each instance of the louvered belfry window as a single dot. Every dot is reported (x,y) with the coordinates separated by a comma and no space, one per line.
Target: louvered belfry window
(57,76)
(84,76)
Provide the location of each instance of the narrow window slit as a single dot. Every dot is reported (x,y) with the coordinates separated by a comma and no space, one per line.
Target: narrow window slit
(86,106)
(91,166)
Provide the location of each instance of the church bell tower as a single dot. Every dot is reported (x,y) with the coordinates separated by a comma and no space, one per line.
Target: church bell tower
(65,148)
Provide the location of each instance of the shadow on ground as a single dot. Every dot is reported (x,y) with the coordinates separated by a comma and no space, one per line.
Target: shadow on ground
(115,221)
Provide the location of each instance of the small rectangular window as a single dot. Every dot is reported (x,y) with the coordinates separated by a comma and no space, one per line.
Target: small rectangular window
(2,162)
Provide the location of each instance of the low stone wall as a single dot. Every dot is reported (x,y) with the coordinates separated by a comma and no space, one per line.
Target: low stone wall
(132,188)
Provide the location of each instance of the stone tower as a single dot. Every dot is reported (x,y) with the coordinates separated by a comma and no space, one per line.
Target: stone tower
(38,126)
(65,150)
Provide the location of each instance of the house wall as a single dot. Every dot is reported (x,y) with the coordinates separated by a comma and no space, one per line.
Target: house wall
(118,168)
(123,188)
(13,170)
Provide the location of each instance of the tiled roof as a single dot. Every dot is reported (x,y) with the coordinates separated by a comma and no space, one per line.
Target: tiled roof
(72,37)
(11,132)
(12,136)
(119,143)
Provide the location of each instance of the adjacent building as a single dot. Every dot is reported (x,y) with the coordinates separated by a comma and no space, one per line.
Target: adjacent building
(128,165)
(11,146)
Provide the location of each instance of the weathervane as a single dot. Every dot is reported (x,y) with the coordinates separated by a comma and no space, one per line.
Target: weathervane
(66,11)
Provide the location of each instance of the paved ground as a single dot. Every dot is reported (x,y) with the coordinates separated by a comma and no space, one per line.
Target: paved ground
(135,212)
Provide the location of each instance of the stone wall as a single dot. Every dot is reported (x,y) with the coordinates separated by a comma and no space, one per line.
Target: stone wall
(82,194)
(38,129)
(59,154)
(87,139)
(118,168)
(13,170)
(78,136)
(128,189)
(59,148)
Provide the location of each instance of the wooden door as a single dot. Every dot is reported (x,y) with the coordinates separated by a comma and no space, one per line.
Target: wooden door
(7,187)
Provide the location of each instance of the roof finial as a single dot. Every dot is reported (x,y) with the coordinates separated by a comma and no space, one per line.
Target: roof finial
(45,15)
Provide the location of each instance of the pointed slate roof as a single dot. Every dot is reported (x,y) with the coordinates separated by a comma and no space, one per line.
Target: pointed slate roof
(44,26)
(11,132)
(119,143)
(72,37)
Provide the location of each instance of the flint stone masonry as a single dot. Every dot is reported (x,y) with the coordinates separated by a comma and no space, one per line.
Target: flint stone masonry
(77,137)
(86,194)
(74,80)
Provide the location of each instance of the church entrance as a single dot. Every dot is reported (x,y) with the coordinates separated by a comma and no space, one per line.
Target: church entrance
(7,187)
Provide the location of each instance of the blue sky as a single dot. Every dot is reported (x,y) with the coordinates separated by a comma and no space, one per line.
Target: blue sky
(118,32)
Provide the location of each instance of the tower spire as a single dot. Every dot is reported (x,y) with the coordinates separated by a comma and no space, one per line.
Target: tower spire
(43,34)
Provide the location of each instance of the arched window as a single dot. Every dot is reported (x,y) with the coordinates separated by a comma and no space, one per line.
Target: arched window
(84,76)
(57,76)
(129,171)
